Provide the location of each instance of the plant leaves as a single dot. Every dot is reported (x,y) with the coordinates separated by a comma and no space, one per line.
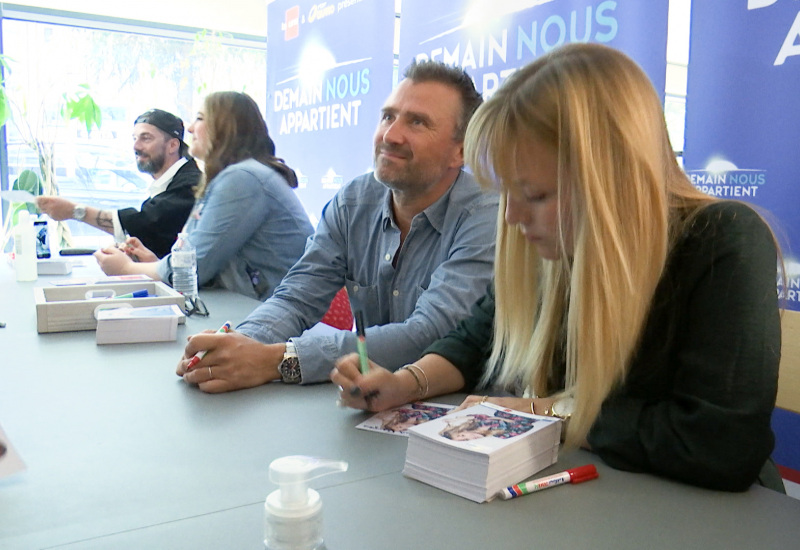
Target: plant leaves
(5,107)
(83,107)
(28,181)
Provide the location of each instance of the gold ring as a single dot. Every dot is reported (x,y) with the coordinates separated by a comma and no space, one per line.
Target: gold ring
(210,374)
(485,397)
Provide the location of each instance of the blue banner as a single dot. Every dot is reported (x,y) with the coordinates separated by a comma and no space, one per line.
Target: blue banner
(493,39)
(786,425)
(329,70)
(743,114)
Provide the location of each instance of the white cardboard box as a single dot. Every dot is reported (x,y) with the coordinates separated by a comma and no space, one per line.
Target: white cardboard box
(65,308)
(53,266)
(138,324)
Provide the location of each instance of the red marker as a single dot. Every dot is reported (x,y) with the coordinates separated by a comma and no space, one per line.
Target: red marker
(202,353)
(575,475)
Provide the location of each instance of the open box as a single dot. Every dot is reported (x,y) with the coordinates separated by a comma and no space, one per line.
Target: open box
(66,308)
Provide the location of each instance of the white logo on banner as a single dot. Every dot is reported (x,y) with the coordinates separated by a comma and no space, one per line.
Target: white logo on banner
(791,45)
(722,178)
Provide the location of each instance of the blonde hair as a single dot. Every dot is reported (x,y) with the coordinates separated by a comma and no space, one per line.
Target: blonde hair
(628,198)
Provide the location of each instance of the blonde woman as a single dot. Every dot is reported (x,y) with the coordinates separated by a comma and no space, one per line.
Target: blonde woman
(625,301)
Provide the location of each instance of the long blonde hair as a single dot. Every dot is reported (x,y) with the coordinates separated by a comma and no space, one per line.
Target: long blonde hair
(628,198)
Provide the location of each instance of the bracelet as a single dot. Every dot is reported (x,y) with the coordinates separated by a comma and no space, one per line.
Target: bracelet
(532,407)
(416,378)
(425,376)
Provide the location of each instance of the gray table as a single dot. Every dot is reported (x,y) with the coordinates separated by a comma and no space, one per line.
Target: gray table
(122,454)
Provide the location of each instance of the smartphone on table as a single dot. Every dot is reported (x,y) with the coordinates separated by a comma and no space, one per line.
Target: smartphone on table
(42,238)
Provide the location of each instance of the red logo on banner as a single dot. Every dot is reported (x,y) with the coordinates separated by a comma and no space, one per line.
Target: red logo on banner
(291,27)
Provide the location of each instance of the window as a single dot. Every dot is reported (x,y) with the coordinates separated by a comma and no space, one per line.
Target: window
(128,72)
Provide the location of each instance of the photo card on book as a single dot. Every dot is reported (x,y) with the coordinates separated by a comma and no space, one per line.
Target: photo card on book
(398,420)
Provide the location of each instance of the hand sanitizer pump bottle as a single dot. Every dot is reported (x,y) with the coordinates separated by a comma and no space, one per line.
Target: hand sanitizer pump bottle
(293,513)
(25,248)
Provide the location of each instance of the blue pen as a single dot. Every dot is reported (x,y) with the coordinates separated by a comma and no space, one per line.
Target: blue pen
(134,294)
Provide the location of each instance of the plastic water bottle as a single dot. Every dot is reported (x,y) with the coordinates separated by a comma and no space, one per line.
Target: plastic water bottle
(25,248)
(293,513)
(184,267)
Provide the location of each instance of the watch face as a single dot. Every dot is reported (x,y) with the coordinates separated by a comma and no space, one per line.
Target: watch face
(79,212)
(564,407)
(290,370)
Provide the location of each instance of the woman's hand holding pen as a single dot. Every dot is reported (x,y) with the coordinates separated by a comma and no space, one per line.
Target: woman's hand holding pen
(138,252)
(376,391)
(113,261)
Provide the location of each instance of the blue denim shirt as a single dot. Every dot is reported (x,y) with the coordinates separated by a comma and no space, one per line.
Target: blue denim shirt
(443,267)
(248,229)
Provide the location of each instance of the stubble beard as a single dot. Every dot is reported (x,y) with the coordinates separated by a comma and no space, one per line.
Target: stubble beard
(150,165)
(394,174)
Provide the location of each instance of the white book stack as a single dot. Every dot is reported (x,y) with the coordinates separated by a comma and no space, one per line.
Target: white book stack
(129,325)
(478,451)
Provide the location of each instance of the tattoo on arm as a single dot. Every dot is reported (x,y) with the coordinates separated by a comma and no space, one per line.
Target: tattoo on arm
(104,220)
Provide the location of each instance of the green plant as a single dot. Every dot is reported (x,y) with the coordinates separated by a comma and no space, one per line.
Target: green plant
(5,106)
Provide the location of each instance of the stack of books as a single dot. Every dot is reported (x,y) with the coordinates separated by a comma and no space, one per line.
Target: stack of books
(478,451)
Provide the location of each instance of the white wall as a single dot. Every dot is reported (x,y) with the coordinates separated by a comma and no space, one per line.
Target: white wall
(238,16)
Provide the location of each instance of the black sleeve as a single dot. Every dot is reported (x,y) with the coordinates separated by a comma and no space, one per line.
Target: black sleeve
(697,402)
(162,217)
(469,345)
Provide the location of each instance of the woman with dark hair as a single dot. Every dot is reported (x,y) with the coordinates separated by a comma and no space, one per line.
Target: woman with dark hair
(248,225)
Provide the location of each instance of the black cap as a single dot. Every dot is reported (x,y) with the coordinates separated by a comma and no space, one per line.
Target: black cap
(164,121)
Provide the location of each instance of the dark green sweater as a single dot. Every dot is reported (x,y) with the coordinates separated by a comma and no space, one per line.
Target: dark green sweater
(697,401)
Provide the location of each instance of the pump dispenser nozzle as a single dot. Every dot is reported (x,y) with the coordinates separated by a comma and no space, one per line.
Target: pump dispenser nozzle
(293,513)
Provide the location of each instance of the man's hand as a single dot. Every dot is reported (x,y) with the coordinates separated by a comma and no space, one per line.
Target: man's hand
(232,361)
(58,208)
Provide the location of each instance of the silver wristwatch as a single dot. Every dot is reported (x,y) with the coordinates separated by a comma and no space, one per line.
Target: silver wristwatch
(289,368)
(79,212)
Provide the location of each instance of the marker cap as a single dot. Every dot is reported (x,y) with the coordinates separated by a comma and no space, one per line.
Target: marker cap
(582,473)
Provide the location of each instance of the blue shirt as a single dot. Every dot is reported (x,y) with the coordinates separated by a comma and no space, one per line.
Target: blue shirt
(248,229)
(443,267)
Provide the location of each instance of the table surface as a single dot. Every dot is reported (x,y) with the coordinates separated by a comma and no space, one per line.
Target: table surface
(121,453)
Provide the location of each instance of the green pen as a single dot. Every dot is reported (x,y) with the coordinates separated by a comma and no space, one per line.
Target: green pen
(362,343)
